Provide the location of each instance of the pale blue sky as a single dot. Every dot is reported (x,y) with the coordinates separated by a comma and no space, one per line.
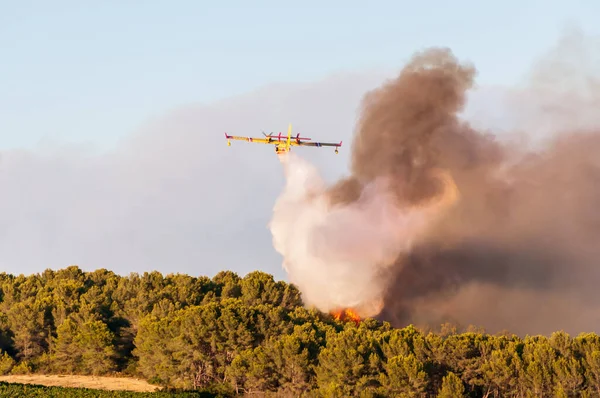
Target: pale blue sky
(96,71)
(173,196)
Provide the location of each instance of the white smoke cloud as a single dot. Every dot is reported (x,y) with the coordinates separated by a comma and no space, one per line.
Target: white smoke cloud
(337,255)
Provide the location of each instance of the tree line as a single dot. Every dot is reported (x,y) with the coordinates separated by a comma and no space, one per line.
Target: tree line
(251,335)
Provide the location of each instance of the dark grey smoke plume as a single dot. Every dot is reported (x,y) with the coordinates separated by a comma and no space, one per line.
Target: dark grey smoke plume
(520,250)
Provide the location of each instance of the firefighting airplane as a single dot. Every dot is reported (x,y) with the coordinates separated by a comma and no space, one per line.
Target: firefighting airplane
(283,145)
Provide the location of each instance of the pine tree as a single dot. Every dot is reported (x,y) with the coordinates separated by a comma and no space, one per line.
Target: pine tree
(452,387)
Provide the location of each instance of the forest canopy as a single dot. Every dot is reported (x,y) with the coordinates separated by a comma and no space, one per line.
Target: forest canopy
(252,334)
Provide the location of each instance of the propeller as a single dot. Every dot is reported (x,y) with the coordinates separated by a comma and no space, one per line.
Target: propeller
(298,138)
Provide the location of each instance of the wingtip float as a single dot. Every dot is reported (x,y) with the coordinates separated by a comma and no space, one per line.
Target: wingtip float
(283,144)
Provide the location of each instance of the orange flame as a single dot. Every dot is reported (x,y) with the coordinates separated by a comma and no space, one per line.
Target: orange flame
(346,315)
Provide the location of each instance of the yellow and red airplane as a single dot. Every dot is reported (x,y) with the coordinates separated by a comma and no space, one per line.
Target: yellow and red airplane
(282,145)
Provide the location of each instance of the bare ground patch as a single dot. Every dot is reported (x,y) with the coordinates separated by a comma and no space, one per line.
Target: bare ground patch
(76,381)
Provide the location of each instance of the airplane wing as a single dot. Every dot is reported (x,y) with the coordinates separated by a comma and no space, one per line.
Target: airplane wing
(252,139)
(317,144)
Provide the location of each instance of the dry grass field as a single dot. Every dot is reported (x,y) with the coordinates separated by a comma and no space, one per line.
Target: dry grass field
(96,382)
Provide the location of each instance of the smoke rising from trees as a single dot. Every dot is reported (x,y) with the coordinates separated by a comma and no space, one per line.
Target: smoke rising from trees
(518,247)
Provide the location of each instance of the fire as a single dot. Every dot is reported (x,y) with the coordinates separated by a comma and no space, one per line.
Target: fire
(346,315)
